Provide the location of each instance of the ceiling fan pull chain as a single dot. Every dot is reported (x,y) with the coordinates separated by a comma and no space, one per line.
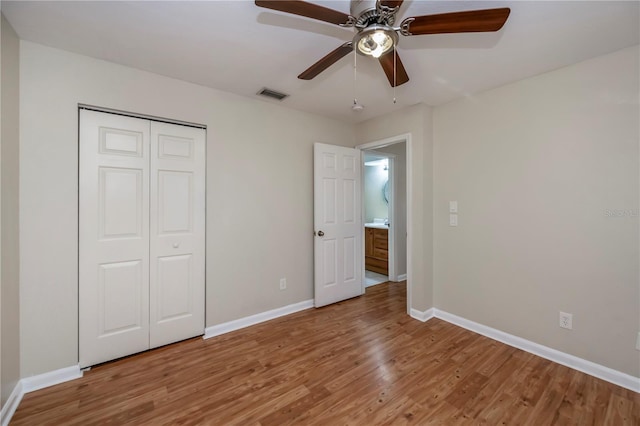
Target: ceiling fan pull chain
(356,106)
(395,80)
(355,67)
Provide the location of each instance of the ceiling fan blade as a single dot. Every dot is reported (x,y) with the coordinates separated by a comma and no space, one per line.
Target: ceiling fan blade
(456,22)
(324,63)
(309,10)
(391,3)
(387,62)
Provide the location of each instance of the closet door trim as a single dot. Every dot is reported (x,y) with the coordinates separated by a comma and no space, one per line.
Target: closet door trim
(140,116)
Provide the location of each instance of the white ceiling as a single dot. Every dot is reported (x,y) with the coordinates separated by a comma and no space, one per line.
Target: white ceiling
(238,47)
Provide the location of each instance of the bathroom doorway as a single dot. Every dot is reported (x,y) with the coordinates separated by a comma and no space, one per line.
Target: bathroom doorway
(385,213)
(378,188)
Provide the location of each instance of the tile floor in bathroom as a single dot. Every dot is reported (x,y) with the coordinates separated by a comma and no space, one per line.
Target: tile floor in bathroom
(373,278)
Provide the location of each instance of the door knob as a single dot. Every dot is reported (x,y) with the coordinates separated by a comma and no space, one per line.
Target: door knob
(320,234)
(176,245)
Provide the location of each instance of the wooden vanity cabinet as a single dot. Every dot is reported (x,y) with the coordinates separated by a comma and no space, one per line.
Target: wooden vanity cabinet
(376,250)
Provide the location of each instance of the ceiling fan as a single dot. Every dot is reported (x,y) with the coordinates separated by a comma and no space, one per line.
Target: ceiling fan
(375,34)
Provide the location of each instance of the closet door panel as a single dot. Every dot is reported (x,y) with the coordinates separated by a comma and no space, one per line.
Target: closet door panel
(177,233)
(175,287)
(113,237)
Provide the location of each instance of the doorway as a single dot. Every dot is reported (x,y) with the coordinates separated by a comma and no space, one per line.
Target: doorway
(390,187)
(378,209)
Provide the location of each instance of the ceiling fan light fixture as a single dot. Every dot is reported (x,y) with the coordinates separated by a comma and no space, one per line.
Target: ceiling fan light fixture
(375,40)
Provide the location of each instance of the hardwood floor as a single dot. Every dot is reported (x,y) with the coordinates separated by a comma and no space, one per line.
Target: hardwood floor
(359,362)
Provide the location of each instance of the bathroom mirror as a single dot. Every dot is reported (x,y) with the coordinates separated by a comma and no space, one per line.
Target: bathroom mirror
(385,192)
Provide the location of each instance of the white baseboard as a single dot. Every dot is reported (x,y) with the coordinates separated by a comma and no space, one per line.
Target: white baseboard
(401,277)
(600,371)
(216,330)
(40,381)
(12,404)
(34,383)
(422,315)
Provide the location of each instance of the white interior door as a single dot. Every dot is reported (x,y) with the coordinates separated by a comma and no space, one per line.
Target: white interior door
(113,237)
(177,245)
(141,235)
(337,221)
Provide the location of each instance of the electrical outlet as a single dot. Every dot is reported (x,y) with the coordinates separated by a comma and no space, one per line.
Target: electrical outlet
(283,283)
(566,320)
(638,342)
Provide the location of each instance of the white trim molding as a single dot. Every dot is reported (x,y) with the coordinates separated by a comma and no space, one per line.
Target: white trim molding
(40,381)
(401,277)
(216,330)
(34,383)
(596,370)
(10,407)
(422,315)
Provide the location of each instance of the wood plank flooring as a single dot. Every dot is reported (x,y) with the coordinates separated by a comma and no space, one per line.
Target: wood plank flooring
(359,362)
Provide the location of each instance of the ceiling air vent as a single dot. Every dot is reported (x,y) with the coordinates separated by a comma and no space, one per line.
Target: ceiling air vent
(272,94)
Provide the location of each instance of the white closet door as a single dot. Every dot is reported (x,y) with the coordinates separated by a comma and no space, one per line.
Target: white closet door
(177,235)
(113,236)
(141,235)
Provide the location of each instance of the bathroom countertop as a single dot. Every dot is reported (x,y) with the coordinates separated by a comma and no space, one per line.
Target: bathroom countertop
(376,225)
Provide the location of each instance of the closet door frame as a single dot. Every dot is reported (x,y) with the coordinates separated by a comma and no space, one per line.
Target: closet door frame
(90,197)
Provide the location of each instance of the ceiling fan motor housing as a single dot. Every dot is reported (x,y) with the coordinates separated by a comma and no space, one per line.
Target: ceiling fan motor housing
(366,13)
(358,7)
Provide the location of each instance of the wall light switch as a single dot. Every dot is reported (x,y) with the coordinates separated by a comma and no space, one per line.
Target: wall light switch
(453,220)
(453,207)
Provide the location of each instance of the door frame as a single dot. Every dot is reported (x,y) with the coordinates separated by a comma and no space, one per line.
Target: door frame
(406,138)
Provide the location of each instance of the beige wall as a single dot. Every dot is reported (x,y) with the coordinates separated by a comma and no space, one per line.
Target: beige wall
(415,120)
(10,284)
(259,192)
(534,166)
